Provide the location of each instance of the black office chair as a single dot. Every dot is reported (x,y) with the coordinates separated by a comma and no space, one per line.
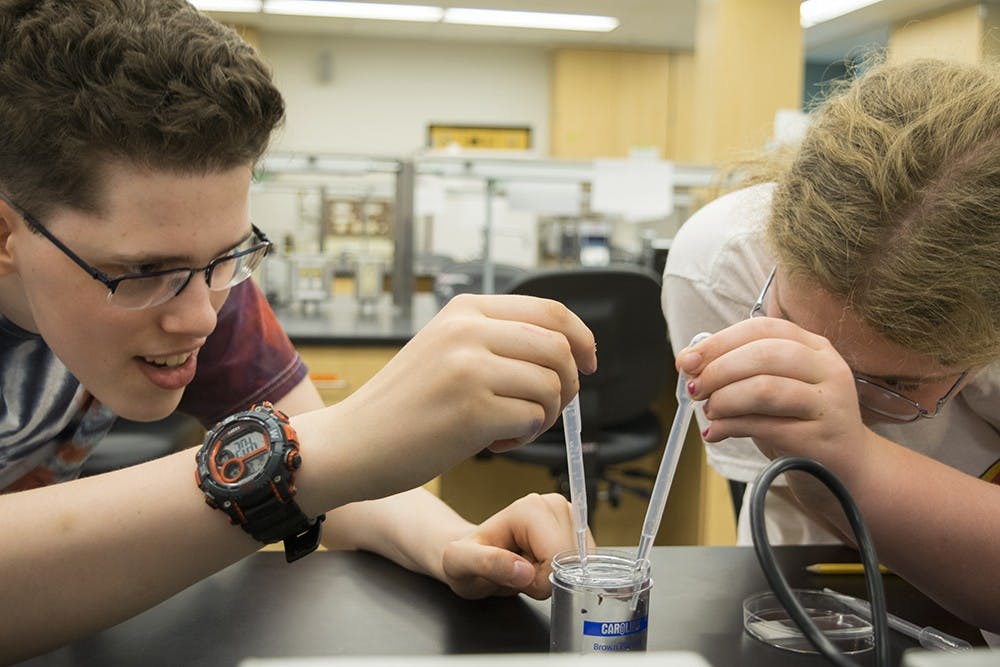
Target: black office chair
(467,277)
(621,305)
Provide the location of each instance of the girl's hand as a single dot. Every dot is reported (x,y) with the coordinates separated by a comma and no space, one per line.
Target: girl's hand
(787,388)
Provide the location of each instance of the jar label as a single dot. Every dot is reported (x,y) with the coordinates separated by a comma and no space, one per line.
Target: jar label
(615,628)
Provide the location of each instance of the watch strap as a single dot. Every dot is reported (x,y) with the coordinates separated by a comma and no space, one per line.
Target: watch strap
(283,521)
(274,520)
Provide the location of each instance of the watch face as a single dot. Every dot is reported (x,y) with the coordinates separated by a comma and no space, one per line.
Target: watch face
(239,455)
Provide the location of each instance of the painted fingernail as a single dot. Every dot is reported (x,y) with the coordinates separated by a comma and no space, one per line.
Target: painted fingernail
(692,387)
(704,433)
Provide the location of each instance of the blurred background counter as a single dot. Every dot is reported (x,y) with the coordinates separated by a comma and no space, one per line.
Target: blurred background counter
(341,320)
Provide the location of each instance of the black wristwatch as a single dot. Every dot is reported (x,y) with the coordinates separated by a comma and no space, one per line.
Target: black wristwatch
(246,468)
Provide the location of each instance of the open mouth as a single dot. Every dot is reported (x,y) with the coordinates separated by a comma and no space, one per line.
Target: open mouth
(169,361)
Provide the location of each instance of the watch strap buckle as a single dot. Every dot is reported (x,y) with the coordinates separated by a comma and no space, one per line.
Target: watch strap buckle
(304,543)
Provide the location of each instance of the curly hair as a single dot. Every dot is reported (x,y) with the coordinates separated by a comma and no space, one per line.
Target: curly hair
(892,202)
(153,84)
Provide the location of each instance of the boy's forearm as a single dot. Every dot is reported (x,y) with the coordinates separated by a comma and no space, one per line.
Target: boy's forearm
(104,549)
(113,545)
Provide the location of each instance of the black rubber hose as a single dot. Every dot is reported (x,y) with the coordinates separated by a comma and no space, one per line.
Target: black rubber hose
(777,581)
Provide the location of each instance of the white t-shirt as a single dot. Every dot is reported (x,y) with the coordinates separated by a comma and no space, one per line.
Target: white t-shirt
(717,265)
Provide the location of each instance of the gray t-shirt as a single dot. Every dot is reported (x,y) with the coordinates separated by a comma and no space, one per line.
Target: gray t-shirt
(48,422)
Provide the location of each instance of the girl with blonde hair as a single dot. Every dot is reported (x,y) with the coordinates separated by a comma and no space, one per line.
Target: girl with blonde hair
(855,295)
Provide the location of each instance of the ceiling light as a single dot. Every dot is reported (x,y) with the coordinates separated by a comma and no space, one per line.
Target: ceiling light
(812,12)
(227,5)
(353,10)
(551,21)
(427,13)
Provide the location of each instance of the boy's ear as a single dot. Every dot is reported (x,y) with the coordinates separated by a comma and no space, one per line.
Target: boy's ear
(8,219)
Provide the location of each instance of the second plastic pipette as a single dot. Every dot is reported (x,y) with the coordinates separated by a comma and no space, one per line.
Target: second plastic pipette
(668,465)
(929,637)
(577,479)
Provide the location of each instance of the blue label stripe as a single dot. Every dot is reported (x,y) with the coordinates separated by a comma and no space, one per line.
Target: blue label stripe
(615,629)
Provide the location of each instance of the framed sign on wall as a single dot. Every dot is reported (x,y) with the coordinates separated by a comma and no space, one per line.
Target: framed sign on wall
(492,137)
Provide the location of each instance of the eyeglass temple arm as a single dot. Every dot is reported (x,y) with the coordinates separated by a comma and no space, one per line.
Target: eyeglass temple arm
(96,274)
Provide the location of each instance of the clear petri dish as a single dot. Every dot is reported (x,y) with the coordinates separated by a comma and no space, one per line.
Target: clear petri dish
(765,619)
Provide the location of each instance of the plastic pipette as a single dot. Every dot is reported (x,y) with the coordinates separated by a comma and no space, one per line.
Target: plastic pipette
(929,637)
(668,465)
(577,478)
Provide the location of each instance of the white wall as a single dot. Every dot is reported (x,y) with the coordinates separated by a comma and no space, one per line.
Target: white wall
(381,94)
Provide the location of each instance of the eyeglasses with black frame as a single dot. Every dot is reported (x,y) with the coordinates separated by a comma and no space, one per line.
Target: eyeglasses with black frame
(871,396)
(135,291)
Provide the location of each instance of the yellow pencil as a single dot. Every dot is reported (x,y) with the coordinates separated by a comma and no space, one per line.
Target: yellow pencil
(841,568)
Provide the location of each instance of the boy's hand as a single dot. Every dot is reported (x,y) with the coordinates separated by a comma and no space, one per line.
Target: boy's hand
(511,552)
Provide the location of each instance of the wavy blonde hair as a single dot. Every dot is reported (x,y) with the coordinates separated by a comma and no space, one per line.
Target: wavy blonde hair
(892,202)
